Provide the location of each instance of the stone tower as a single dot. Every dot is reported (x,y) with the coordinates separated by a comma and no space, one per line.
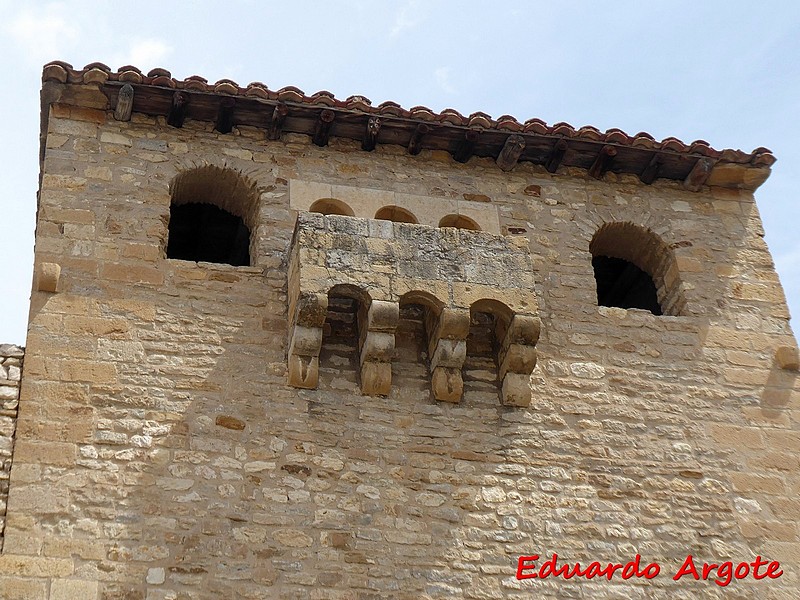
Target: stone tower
(291,346)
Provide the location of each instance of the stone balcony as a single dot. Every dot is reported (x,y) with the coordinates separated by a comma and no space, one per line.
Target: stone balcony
(452,272)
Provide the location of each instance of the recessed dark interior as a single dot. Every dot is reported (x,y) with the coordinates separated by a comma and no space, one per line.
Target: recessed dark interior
(624,285)
(339,350)
(204,232)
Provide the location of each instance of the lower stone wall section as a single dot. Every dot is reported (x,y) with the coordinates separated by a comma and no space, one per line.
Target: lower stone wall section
(11,358)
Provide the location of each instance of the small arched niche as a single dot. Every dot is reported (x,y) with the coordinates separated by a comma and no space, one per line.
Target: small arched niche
(340,333)
(331,206)
(635,268)
(212,214)
(419,312)
(396,214)
(489,321)
(459,222)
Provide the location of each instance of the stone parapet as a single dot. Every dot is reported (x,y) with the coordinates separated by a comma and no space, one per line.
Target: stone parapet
(384,264)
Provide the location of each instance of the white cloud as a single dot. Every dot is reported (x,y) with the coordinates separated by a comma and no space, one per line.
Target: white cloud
(406,18)
(42,33)
(442,75)
(144,53)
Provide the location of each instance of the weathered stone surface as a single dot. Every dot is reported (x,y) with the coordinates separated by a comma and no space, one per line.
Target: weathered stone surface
(11,361)
(198,430)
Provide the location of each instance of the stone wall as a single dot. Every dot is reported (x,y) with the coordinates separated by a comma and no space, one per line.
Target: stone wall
(11,358)
(161,452)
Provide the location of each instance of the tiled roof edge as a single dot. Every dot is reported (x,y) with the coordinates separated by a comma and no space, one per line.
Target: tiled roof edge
(100,73)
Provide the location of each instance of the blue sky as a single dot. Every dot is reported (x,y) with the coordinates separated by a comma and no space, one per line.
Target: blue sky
(726,72)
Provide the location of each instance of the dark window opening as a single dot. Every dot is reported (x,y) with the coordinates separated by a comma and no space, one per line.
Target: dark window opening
(204,232)
(624,285)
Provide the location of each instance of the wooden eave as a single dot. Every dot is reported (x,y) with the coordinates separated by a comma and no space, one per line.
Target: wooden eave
(322,116)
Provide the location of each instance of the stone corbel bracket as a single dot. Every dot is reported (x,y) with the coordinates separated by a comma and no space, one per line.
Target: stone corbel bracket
(447,348)
(517,359)
(47,277)
(305,338)
(377,324)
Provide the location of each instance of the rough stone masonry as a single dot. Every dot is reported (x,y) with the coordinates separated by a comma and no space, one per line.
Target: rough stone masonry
(363,404)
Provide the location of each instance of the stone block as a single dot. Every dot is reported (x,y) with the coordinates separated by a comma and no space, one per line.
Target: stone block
(303,371)
(17,588)
(36,566)
(453,323)
(73,589)
(383,316)
(309,309)
(376,378)
(47,277)
(517,358)
(449,353)
(306,341)
(377,347)
(788,357)
(45,452)
(516,389)
(447,384)
(524,329)
(130,273)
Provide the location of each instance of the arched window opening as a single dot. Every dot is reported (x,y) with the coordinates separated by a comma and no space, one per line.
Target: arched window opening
(203,232)
(635,268)
(396,214)
(331,206)
(459,222)
(212,216)
(622,284)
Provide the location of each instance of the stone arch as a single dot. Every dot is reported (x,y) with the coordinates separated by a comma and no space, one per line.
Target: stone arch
(419,316)
(459,222)
(396,214)
(331,206)
(213,214)
(635,268)
(504,341)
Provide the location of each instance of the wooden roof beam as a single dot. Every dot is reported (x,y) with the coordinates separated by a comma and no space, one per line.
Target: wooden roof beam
(467,146)
(124,103)
(178,110)
(556,156)
(276,123)
(603,162)
(512,150)
(699,174)
(323,126)
(650,173)
(224,122)
(371,134)
(415,143)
